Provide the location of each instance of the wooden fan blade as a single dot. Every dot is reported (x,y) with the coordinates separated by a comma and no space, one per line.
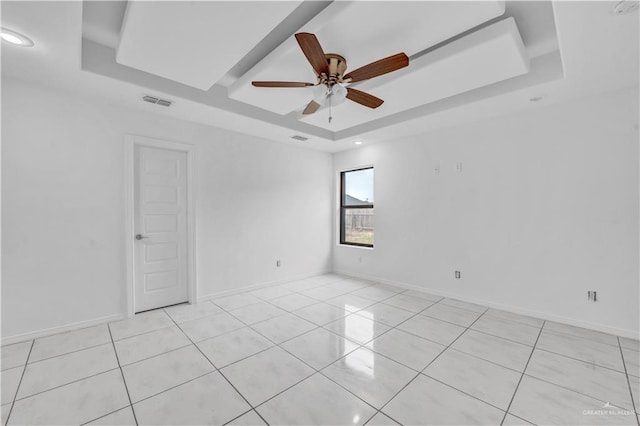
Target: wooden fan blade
(313,51)
(280,84)
(363,98)
(311,108)
(374,69)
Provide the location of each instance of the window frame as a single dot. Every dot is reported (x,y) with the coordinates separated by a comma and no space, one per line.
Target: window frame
(344,208)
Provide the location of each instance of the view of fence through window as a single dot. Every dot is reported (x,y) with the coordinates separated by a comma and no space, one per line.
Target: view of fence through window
(357,207)
(358,226)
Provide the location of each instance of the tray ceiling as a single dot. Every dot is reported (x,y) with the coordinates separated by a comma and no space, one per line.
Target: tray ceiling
(362,32)
(487,56)
(209,52)
(196,42)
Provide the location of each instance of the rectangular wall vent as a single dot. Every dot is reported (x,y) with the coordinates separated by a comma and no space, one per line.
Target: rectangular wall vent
(299,138)
(157,101)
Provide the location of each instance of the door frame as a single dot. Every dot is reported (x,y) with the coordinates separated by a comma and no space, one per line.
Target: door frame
(130,144)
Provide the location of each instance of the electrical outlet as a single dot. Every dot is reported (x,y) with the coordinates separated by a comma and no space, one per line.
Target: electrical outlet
(592,296)
(457,274)
(459,167)
(278,263)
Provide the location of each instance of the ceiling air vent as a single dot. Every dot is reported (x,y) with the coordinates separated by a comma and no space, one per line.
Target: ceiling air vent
(153,100)
(299,138)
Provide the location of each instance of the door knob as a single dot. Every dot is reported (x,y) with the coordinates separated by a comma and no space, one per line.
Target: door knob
(139,237)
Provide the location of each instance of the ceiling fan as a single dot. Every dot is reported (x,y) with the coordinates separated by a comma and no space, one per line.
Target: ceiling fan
(330,68)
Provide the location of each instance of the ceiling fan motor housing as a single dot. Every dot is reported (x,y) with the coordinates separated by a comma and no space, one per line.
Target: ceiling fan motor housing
(337,66)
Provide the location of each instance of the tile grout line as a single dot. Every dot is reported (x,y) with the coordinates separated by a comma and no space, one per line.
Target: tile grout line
(322,326)
(542,349)
(359,346)
(317,326)
(568,389)
(172,387)
(633,402)
(256,322)
(505,338)
(421,372)
(352,292)
(250,326)
(213,337)
(363,346)
(252,410)
(355,313)
(65,384)
(26,363)
(519,418)
(243,397)
(245,357)
(194,344)
(523,372)
(465,392)
(278,345)
(211,300)
(70,352)
(592,340)
(157,355)
(122,374)
(546,350)
(108,414)
(120,340)
(582,360)
(421,337)
(316,371)
(143,333)
(216,369)
(274,344)
(520,322)
(515,391)
(554,332)
(497,364)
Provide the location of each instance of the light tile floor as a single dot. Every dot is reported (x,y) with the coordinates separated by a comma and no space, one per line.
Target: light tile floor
(327,350)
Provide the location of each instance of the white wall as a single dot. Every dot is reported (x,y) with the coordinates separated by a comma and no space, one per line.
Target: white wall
(545,209)
(63,207)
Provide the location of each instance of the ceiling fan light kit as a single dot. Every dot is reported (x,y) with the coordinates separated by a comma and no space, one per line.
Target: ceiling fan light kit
(332,85)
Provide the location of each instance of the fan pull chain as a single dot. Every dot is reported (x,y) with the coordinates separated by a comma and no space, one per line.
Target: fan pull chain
(330,96)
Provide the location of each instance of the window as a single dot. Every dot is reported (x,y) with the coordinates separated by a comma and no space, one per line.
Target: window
(356,207)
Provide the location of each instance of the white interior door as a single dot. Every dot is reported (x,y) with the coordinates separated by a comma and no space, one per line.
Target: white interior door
(160,228)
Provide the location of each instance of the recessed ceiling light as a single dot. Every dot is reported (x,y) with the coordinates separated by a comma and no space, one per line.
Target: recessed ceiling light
(535,99)
(358,142)
(15,38)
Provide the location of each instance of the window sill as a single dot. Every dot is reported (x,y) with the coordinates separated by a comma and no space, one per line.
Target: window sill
(357,247)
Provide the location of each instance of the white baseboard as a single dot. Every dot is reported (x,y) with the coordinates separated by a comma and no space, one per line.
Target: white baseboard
(259,286)
(60,329)
(102,320)
(510,308)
